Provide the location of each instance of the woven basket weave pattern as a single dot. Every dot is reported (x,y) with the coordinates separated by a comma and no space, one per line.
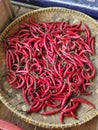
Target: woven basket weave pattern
(9,96)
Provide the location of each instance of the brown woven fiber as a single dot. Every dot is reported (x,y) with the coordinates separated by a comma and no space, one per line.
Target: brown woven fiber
(13,99)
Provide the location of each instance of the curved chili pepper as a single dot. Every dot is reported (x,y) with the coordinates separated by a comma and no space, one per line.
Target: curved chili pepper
(24,94)
(66,110)
(83,101)
(60,91)
(11,77)
(92,44)
(51,112)
(36,108)
(53,105)
(50,62)
(18,85)
(73,115)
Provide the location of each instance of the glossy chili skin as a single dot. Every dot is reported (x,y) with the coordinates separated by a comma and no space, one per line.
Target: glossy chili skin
(50,63)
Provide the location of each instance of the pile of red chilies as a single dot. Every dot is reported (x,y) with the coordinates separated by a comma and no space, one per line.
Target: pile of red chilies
(50,63)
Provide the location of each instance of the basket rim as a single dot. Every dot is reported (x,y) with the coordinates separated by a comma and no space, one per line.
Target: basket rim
(10,106)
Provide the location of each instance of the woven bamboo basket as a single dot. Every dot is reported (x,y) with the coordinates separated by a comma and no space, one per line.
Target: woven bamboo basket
(13,99)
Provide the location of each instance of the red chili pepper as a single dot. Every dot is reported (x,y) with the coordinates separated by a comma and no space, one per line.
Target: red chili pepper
(93,44)
(83,101)
(24,94)
(20,82)
(36,109)
(44,26)
(66,110)
(64,102)
(51,112)
(11,77)
(73,115)
(87,31)
(53,105)
(50,62)
(60,91)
